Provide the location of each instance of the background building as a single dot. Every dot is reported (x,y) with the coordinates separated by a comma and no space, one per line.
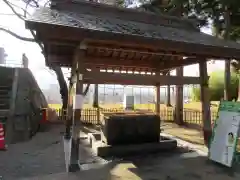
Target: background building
(3,56)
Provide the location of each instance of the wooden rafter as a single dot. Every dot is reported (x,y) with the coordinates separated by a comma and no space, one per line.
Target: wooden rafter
(94,77)
(126,64)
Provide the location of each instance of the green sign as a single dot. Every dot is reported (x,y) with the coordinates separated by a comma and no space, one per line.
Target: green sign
(225,133)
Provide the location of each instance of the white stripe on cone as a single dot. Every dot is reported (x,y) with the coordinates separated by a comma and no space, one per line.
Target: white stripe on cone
(1,133)
(1,139)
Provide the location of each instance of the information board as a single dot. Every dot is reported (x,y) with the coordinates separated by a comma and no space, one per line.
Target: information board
(225,133)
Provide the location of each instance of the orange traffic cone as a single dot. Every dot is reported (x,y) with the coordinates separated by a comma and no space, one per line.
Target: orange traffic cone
(44,116)
(2,140)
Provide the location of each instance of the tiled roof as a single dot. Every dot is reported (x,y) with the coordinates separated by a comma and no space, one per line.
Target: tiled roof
(120,26)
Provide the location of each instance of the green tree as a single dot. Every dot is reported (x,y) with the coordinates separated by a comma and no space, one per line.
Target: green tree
(185,8)
(224,15)
(225,24)
(216,87)
(236,69)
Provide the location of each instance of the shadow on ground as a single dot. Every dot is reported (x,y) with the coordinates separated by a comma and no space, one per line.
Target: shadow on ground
(187,166)
(43,158)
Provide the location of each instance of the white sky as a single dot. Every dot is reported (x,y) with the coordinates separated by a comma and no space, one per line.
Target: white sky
(14,49)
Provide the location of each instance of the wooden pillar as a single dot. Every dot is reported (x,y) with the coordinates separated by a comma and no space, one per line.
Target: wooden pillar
(157,95)
(96,101)
(205,98)
(227,80)
(179,99)
(69,113)
(71,145)
(79,87)
(96,98)
(168,93)
(157,102)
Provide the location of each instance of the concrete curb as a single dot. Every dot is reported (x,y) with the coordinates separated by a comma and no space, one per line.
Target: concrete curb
(203,151)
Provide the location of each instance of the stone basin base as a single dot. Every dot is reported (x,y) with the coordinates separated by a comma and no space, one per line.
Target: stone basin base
(103,150)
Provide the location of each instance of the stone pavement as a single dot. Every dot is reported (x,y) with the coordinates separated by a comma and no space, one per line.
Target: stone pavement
(189,166)
(42,158)
(188,134)
(41,155)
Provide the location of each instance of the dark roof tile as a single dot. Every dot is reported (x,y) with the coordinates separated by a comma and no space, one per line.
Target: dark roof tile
(115,25)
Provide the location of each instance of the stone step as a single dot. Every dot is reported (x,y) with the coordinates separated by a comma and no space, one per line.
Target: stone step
(4,112)
(3,115)
(5,96)
(5,88)
(4,105)
(5,82)
(5,92)
(4,100)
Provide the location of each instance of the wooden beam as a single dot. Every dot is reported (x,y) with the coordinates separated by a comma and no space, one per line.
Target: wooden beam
(227,80)
(205,98)
(125,49)
(74,152)
(101,61)
(157,102)
(62,42)
(151,65)
(157,94)
(180,48)
(177,63)
(91,61)
(179,98)
(136,79)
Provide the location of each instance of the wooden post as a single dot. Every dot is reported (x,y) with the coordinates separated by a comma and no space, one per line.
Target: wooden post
(70,148)
(69,113)
(157,103)
(96,101)
(74,162)
(96,96)
(168,93)
(157,96)
(71,142)
(227,80)
(179,99)
(205,98)
(79,84)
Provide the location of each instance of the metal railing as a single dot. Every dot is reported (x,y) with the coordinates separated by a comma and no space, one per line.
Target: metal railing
(89,115)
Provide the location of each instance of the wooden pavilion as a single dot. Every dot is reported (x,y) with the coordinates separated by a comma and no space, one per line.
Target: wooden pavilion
(91,37)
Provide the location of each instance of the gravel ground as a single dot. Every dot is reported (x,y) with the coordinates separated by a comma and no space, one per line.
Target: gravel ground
(41,155)
(42,158)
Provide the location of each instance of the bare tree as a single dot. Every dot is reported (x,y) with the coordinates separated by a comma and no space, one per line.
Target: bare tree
(22,13)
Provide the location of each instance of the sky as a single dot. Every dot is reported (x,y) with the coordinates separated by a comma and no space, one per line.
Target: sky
(15,48)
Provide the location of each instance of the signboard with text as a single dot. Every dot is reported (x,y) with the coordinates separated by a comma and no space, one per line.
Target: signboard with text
(225,133)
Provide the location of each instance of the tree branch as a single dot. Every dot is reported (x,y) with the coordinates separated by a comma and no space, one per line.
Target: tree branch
(17,36)
(32,1)
(24,10)
(62,84)
(86,89)
(13,10)
(26,6)
(40,45)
